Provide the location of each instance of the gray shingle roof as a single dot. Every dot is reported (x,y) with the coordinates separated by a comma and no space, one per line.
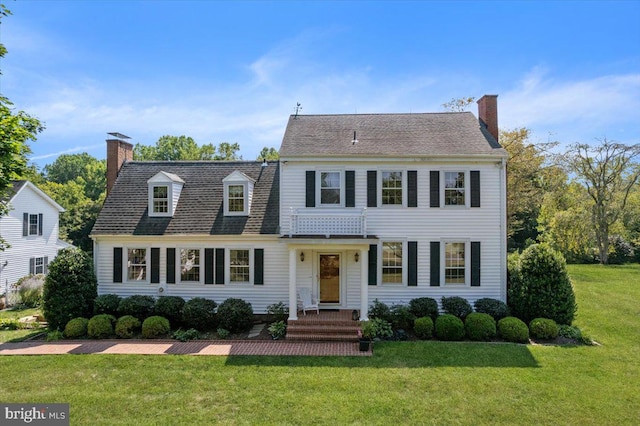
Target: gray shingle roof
(388,135)
(200,208)
(12,190)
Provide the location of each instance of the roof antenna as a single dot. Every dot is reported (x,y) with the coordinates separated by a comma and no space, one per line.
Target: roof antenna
(298,108)
(355,140)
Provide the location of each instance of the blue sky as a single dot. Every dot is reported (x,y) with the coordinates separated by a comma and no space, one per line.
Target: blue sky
(233,71)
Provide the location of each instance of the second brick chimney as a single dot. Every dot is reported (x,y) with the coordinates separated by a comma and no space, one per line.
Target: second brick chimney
(118,152)
(488,113)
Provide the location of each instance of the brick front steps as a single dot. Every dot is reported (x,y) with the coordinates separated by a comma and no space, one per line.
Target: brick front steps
(337,326)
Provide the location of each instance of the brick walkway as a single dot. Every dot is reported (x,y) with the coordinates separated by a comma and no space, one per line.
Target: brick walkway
(171,347)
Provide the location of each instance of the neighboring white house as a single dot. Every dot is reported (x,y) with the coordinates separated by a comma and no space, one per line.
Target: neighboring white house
(30,228)
(360,206)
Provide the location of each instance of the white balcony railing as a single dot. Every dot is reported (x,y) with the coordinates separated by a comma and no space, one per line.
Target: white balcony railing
(321,221)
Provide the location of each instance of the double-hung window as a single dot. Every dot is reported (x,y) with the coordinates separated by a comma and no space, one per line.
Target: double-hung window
(454,263)
(33,224)
(160,199)
(236,198)
(392,259)
(330,188)
(454,189)
(239,266)
(190,265)
(137,264)
(392,188)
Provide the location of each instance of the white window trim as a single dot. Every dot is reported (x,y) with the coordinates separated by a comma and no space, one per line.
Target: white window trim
(404,189)
(467,190)
(227,267)
(404,262)
(319,188)
(169,187)
(35,266)
(126,263)
(467,262)
(245,190)
(34,234)
(179,265)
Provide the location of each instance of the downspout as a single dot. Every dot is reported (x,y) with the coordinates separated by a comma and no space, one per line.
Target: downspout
(503,228)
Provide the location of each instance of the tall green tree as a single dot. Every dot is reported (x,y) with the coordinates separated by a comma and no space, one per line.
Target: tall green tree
(175,148)
(269,154)
(609,171)
(82,168)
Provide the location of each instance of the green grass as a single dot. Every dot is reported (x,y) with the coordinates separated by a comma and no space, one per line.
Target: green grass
(403,383)
(17,335)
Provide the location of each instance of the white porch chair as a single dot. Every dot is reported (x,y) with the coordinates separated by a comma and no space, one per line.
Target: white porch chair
(306,302)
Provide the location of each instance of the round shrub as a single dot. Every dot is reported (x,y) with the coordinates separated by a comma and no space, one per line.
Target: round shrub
(376,329)
(106,304)
(155,327)
(235,315)
(127,326)
(494,307)
(456,306)
(100,326)
(76,328)
(402,317)
(449,327)
(199,313)
(513,329)
(543,328)
(480,326)
(380,310)
(138,306)
(424,307)
(423,327)
(69,288)
(540,287)
(170,307)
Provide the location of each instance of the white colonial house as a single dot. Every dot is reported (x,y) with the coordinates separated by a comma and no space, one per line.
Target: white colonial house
(30,228)
(359,207)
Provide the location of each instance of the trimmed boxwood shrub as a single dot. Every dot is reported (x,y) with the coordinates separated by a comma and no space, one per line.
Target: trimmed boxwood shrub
(480,326)
(170,307)
(494,307)
(101,326)
(513,329)
(106,304)
(138,306)
(543,328)
(423,327)
(127,326)
(155,327)
(380,310)
(424,307)
(200,313)
(76,328)
(449,327)
(69,288)
(235,315)
(402,317)
(457,306)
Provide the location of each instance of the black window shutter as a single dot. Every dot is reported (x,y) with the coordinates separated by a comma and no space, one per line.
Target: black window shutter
(45,266)
(171,266)
(475,188)
(117,264)
(475,263)
(258,267)
(434,188)
(412,188)
(40,217)
(155,265)
(32,266)
(372,188)
(219,266)
(435,264)
(311,189)
(208,265)
(373,264)
(25,224)
(412,266)
(350,188)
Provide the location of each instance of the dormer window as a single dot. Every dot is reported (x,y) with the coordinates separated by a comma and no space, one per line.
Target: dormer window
(164,193)
(238,191)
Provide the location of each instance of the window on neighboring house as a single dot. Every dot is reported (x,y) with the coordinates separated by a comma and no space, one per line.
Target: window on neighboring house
(330,188)
(235,196)
(190,265)
(38,265)
(454,267)
(137,264)
(33,224)
(454,189)
(160,199)
(392,262)
(239,269)
(391,188)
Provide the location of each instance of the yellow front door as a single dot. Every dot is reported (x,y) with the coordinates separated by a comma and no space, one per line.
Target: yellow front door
(329,278)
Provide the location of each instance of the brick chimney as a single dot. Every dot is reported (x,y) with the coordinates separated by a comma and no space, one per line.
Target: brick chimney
(488,113)
(118,152)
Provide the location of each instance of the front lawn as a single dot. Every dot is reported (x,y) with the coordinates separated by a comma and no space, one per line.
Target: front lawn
(15,314)
(403,383)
